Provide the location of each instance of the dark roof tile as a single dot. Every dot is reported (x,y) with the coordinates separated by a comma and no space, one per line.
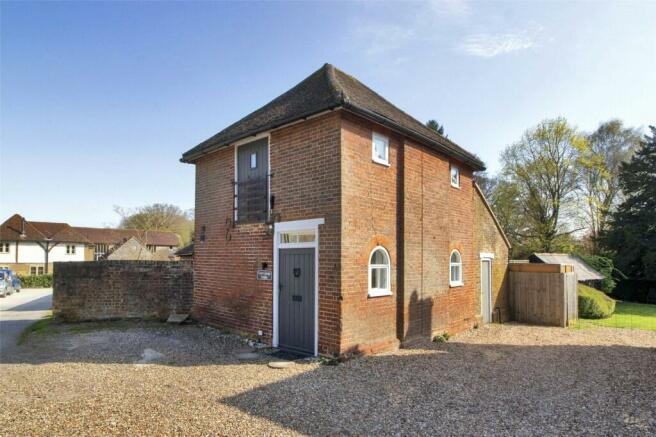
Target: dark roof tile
(329,88)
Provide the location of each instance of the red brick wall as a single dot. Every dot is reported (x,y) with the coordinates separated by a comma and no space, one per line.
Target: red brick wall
(368,220)
(488,238)
(226,292)
(412,210)
(323,169)
(305,161)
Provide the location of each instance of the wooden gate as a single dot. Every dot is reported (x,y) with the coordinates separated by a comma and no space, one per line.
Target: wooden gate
(544,294)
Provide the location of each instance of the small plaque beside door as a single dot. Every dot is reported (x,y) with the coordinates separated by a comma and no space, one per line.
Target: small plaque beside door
(264,275)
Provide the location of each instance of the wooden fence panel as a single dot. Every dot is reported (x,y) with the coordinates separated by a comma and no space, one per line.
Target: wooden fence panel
(545,296)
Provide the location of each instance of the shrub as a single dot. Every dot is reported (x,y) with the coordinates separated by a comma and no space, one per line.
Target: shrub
(604,266)
(594,304)
(36,281)
(441,338)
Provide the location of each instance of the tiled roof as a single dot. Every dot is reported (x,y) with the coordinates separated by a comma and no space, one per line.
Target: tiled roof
(583,271)
(188,250)
(16,228)
(113,236)
(12,230)
(330,88)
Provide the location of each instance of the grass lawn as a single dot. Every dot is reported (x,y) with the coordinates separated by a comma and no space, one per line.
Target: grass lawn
(626,315)
(35,328)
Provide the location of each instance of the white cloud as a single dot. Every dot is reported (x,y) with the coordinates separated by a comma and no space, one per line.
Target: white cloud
(458,8)
(487,45)
(383,38)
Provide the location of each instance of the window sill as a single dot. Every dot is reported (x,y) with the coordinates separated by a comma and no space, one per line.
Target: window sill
(379,293)
(455,186)
(250,222)
(456,284)
(381,162)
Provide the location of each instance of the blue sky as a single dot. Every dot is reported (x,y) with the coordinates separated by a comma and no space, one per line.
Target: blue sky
(99,100)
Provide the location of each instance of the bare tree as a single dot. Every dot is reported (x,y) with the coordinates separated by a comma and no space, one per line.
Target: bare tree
(487,184)
(158,217)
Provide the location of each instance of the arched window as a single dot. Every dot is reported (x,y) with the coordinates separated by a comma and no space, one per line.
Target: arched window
(455,269)
(379,273)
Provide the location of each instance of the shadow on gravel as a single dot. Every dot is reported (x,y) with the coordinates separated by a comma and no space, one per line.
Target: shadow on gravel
(451,388)
(469,389)
(125,342)
(40,304)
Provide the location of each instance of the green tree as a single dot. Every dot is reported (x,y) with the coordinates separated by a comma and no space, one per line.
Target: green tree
(158,217)
(609,146)
(433,124)
(632,228)
(540,180)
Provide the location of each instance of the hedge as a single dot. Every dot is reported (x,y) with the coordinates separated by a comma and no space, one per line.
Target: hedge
(36,281)
(594,304)
(636,290)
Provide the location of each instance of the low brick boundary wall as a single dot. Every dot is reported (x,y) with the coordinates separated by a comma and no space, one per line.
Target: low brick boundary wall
(101,290)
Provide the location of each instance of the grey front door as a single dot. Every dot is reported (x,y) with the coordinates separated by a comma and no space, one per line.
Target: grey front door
(486,290)
(296,300)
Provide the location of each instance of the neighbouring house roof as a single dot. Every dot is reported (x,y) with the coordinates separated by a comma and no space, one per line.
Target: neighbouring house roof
(583,271)
(17,228)
(132,249)
(326,89)
(188,250)
(113,236)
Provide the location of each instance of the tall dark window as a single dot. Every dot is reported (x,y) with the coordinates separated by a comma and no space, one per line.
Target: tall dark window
(253,181)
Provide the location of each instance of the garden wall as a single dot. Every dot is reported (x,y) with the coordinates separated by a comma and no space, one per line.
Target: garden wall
(100,290)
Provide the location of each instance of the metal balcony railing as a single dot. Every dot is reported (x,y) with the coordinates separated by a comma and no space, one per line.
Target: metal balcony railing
(252,202)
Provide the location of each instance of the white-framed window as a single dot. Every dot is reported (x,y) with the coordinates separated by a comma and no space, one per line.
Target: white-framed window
(379,273)
(253,160)
(380,149)
(70,249)
(36,270)
(455,269)
(455,176)
(4,247)
(292,237)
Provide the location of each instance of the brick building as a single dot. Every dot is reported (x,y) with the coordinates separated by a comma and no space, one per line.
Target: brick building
(329,221)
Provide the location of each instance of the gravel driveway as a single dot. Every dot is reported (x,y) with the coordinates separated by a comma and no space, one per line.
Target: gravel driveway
(508,379)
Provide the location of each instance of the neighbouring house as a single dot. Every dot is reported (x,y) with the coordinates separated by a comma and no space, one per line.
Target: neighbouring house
(30,247)
(106,240)
(329,221)
(584,273)
(133,249)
